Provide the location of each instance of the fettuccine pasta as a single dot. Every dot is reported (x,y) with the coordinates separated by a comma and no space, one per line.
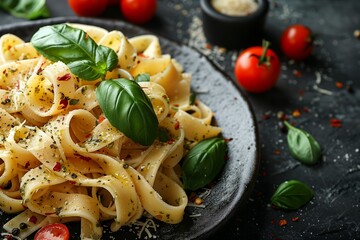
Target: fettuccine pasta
(61,160)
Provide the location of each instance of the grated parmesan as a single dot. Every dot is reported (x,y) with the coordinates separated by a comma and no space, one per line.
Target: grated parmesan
(235,7)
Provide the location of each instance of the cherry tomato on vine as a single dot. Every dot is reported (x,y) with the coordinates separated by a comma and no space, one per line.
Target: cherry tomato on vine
(297,42)
(88,8)
(138,11)
(53,231)
(257,68)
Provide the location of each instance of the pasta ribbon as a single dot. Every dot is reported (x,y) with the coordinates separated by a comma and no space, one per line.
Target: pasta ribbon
(61,160)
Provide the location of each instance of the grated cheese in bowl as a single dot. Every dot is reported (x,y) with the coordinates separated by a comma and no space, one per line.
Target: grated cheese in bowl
(235,7)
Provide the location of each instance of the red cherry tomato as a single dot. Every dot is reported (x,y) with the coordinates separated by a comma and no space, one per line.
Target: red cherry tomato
(138,11)
(53,231)
(297,42)
(88,8)
(257,68)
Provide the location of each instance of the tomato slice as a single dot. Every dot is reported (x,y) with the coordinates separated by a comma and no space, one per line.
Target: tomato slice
(53,231)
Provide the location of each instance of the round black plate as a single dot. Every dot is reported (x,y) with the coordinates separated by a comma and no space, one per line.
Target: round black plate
(233,114)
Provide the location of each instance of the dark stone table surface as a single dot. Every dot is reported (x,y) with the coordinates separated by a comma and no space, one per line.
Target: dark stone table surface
(334,212)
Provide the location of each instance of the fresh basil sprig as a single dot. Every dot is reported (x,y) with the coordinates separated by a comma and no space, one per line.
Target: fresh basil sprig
(75,48)
(128,109)
(303,147)
(203,163)
(28,9)
(292,195)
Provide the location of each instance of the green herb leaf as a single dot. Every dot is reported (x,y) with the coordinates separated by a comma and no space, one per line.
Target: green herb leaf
(192,98)
(303,147)
(129,109)
(145,77)
(76,49)
(292,195)
(203,163)
(163,135)
(28,9)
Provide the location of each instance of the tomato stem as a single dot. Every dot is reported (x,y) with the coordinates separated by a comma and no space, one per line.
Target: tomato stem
(263,58)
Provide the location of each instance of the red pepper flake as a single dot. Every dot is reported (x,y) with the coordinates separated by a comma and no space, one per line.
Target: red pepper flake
(9,237)
(266,116)
(57,167)
(227,140)
(32,219)
(297,73)
(158,217)
(277,152)
(64,103)
(282,222)
(296,113)
(273,221)
(40,68)
(72,182)
(335,123)
(295,219)
(65,77)
(88,135)
(208,46)
(171,141)
(101,118)
(339,84)
(306,110)
(177,125)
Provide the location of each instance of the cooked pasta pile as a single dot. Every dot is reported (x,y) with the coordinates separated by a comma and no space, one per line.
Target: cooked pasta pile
(62,160)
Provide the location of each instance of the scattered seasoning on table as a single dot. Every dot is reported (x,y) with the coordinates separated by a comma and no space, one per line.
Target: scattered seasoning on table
(335,123)
(277,152)
(296,113)
(339,84)
(295,219)
(282,222)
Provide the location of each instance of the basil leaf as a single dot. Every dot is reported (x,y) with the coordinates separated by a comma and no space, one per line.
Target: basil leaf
(28,9)
(292,195)
(128,109)
(163,135)
(76,49)
(203,163)
(145,77)
(303,147)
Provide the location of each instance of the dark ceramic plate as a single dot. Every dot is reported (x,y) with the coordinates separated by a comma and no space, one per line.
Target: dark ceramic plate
(232,112)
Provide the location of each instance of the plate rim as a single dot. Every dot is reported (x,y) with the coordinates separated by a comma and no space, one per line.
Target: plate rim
(250,182)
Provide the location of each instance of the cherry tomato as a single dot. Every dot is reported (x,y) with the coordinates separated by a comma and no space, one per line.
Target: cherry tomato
(53,231)
(257,68)
(138,11)
(297,42)
(88,8)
